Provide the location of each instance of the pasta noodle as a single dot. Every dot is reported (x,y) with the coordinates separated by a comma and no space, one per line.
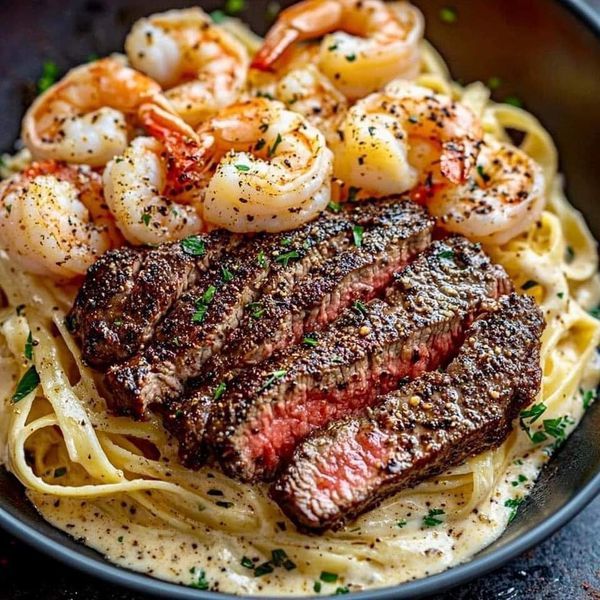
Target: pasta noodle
(116,483)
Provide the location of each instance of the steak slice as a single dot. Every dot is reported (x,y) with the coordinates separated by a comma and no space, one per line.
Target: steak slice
(387,234)
(269,408)
(185,339)
(422,429)
(127,291)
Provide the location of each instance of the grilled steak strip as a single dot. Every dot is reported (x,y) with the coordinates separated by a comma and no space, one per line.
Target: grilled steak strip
(127,291)
(269,408)
(387,235)
(427,426)
(393,232)
(183,342)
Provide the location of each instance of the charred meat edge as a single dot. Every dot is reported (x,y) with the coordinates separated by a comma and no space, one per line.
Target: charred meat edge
(429,425)
(183,341)
(128,290)
(269,408)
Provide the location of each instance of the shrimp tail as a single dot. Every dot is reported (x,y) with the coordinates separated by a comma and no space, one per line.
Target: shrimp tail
(188,160)
(303,21)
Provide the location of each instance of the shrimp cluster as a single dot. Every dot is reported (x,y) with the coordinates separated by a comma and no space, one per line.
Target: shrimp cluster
(192,133)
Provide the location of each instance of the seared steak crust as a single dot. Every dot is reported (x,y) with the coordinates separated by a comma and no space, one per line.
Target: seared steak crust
(184,340)
(127,291)
(267,409)
(430,424)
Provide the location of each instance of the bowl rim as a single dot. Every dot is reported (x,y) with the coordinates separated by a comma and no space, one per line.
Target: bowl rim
(479,565)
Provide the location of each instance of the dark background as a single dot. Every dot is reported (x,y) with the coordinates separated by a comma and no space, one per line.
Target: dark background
(567,566)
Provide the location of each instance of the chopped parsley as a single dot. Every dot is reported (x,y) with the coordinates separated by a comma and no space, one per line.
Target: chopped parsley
(257,310)
(242,168)
(341,590)
(201,583)
(276,143)
(448,15)
(334,207)
(234,7)
(247,563)
(120,539)
(360,307)
(481,172)
(193,246)
(202,304)
(261,259)
(431,520)
(317,587)
(310,340)
(273,377)
(145,218)
(27,384)
(281,559)
(446,254)
(551,428)
(226,274)
(60,472)
(513,504)
(220,390)
(595,312)
(494,82)
(286,241)
(328,577)
(29,344)
(218,16)
(260,144)
(48,77)
(588,397)
(351,57)
(401,523)
(530,283)
(224,504)
(520,479)
(332,48)
(284,259)
(357,235)
(513,101)
(531,415)
(560,295)
(263,569)
(372,130)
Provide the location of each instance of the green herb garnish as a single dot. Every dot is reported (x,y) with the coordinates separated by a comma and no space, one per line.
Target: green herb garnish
(27,384)
(317,587)
(448,15)
(48,77)
(202,304)
(247,563)
(60,472)
(588,397)
(242,168)
(218,16)
(226,274)
(276,143)
(360,307)
(431,520)
(263,569)
(328,577)
(357,235)
(201,583)
(220,390)
(234,7)
(513,504)
(145,219)
(261,259)
(257,310)
(284,259)
(530,283)
(341,590)
(401,523)
(334,207)
(351,57)
(273,377)
(310,341)
(29,344)
(193,246)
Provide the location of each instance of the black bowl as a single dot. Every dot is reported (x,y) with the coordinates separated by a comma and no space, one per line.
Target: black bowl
(547,53)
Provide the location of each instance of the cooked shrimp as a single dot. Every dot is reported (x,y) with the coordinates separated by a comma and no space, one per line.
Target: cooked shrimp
(85,117)
(392,140)
(53,219)
(155,187)
(202,66)
(273,169)
(308,92)
(373,42)
(503,197)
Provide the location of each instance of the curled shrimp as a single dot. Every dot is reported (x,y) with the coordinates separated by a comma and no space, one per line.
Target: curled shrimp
(391,141)
(202,66)
(308,92)
(272,169)
(503,197)
(372,44)
(53,219)
(155,187)
(86,116)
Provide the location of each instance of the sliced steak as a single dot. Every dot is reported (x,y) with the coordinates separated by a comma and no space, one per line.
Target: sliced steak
(200,320)
(269,408)
(421,430)
(127,291)
(386,235)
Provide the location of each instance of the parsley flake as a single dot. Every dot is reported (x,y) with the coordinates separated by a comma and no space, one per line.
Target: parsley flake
(448,15)
(360,307)
(201,583)
(513,504)
(29,344)
(341,590)
(273,377)
(220,390)
(234,7)
(194,246)
(276,143)
(328,577)
(247,563)
(446,254)
(351,57)
(257,310)
(401,523)
(145,219)
(261,259)
(218,16)
(284,259)
(334,207)
(310,341)
(588,397)
(431,520)
(27,384)
(317,587)
(202,304)
(530,283)
(357,235)
(263,569)
(60,472)
(48,77)
(226,274)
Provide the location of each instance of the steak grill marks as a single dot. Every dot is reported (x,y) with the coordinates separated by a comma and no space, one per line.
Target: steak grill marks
(423,428)
(267,409)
